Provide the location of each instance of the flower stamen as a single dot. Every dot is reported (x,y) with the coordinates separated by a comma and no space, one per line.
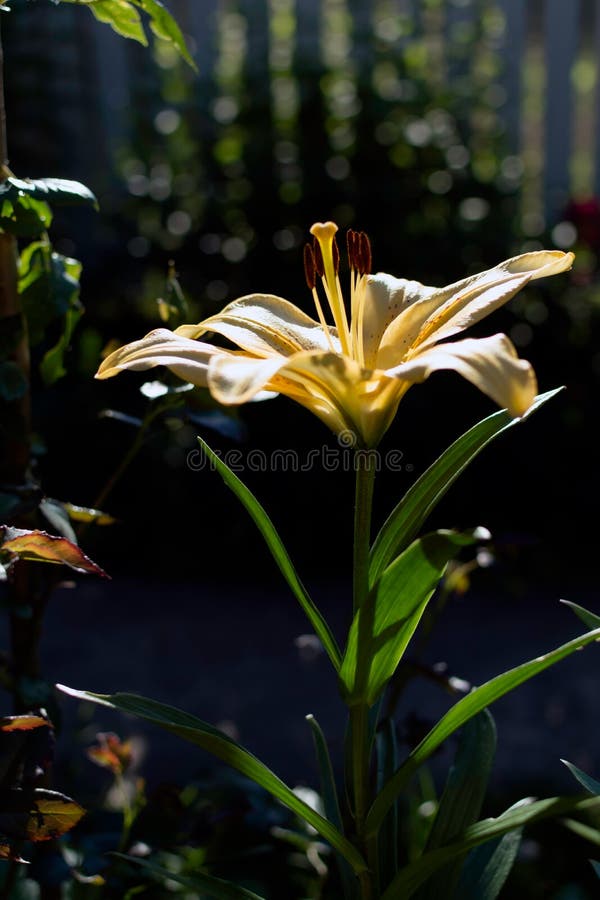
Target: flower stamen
(310,272)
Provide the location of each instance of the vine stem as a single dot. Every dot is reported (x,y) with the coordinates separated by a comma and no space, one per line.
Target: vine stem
(359,732)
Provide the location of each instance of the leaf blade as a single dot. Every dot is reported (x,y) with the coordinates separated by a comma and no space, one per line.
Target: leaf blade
(406,519)
(461,712)
(278,552)
(219,889)
(224,748)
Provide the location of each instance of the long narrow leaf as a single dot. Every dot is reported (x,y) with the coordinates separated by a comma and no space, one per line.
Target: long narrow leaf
(385,623)
(589,783)
(589,619)
(416,873)
(331,804)
(406,519)
(487,867)
(278,551)
(224,748)
(462,799)
(215,887)
(460,713)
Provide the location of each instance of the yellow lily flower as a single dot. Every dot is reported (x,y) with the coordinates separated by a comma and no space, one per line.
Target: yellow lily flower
(352,374)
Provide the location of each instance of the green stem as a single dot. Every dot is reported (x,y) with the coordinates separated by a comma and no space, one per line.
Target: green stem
(359,732)
(365,481)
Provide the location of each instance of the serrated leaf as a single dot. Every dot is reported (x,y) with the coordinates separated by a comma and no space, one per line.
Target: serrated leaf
(38,546)
(278,551)
(227,750)
(122,17)
(209,885)
(406,519)
(416,873)
(462,799)
(385,623)
(589,783)
(460,713)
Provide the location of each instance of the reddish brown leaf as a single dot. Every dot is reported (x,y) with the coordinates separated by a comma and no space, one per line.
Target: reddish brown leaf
(38,546)
(22,723)
(111,753)
(51,815)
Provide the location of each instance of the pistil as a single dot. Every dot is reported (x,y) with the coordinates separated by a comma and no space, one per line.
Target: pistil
(324,232)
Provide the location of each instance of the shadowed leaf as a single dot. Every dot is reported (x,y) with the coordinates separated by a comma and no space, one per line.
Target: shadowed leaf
(37,815)
(210,886)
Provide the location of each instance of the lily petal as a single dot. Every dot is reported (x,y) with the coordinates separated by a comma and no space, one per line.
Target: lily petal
(448,311)
(332,386)
(187,359)
(491,363)
(387,297)
(264,325)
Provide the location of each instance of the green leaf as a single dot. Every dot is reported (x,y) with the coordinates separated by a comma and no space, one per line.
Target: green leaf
(37,815)
(416,873)
(24,216)
(487,867)
(461,802)
(405,521)
(386,621)
(122,18)
(215,887)
(387,760)
(278,551)
(589,783)
(589,619)
(52,366)
(460,713)
(165,27)
(224,748)
(58,191)
(587,832)
(48,286)
(331,804)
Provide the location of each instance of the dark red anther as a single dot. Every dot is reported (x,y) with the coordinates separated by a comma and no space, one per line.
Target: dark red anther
(336,256)
(351,246)
(365,254)
(318,258)
(309,267)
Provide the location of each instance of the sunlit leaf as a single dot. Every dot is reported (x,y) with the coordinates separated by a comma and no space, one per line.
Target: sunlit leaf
(87,514)
(460,713)
(22,723)
(589,619)
(405,521)
(37,815)
(58,191)
(385,623)
(227,750)
(278,551)
(38,546)
(164,26)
